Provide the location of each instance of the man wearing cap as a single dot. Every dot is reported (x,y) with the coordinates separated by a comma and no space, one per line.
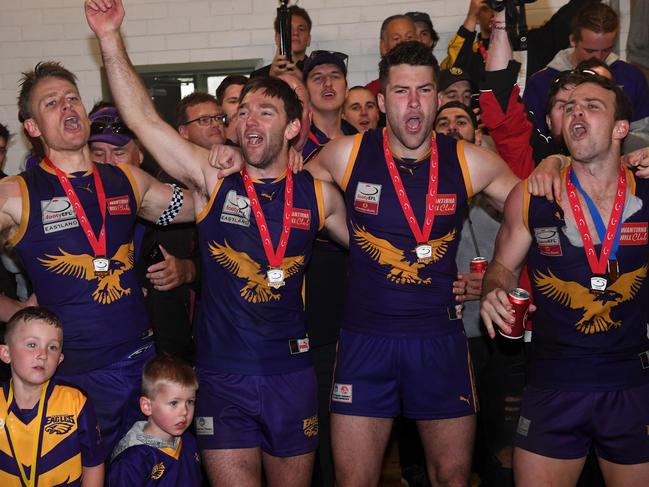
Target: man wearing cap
(325,76)
(455,84)
(111,141)
(456,120)
(426,34)
(394,30)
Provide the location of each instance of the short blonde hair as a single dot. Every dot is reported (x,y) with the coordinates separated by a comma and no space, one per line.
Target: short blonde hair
(167,368)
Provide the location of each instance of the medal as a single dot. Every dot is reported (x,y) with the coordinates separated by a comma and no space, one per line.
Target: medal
(605,269)
(423,250)
(100,263)
(100,266)
(275,278)
(275,273)
(424,253)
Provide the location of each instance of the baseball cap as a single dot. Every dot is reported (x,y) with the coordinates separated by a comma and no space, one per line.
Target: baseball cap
(460,105)
(107,126)
(421,17)
(452,75)
(316,58)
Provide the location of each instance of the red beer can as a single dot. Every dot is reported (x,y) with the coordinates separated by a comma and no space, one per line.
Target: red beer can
(478,265)
(520,300)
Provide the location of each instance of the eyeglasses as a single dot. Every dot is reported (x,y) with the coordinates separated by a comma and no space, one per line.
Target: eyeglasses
(206,120)
(118,128)
(340,55)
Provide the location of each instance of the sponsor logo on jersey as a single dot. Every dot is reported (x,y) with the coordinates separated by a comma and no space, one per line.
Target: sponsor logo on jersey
(236,209)
(59,425)
(57,214)
(300,345)
(310,426)
(342,393)
(120,205)
(301,219)
(204,425)
(547,239)
(634,234)
(445,204)
(367,198)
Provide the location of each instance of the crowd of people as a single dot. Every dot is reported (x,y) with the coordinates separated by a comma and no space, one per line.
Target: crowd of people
(262,293)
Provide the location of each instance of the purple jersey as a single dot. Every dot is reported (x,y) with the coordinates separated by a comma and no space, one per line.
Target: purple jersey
(588,341)
(246,326)
(142,460)
(389,292)
(103,317)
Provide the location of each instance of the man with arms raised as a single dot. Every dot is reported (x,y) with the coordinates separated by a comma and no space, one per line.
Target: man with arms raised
(587,259)
(257,403)
(402,342)
(71,222)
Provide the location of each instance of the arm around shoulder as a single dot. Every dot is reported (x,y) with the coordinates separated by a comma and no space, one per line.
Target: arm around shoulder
(335,214)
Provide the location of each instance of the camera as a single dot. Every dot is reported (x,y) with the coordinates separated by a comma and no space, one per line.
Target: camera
(284,23)
(516,20)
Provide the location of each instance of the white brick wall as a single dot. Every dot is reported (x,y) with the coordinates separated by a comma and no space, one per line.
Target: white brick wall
(172,31)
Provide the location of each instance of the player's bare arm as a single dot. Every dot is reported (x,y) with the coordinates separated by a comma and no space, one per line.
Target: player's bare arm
(512,244)
(489,174)
(335,214)
(331,163)
(10,208)
(156,198)
(178,157)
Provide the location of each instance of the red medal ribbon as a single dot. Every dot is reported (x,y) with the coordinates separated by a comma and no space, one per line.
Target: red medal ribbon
(421,235)
(598,266)
(275,258)
(98,244)
(482,50)
(314,139)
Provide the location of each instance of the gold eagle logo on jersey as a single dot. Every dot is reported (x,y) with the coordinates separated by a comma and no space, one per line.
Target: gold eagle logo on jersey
(242,266)
(596,317)
(310,426)
(80,266)
(59,425)
(401,270)
(158,471)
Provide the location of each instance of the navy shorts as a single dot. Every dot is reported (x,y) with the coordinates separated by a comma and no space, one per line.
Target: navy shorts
(423,378)
(115,393)
(563,424)
(277,413)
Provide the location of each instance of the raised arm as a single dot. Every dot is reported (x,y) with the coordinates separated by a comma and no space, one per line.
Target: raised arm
(181,159)
(332,161)
(512,244)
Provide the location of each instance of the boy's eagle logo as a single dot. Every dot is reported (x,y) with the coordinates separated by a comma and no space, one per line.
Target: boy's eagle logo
(242,266)
(596,307)
(401,270)
(80,266)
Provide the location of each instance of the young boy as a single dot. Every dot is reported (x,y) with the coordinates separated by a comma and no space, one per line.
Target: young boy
(159,451)
(48,431)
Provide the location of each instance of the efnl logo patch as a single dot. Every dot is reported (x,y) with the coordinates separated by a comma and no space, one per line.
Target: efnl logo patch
(57,214)
(547,238)
(205,425)
(342,393)
(367,198)
(236,209)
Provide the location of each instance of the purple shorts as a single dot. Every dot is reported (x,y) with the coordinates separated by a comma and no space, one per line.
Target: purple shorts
(278,413)
(563,424)
(423,377)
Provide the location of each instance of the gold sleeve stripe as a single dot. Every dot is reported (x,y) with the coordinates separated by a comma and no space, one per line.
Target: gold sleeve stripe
(631,178)
(319,197)
(351,161)
(208,207)
(24,216)
(136,190)
(527,196)
(465,169)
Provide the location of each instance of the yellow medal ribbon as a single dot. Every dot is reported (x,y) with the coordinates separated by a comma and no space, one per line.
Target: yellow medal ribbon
(28,481)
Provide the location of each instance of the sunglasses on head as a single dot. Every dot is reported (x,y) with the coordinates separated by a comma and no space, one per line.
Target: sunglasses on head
(118,128)
(340,55)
